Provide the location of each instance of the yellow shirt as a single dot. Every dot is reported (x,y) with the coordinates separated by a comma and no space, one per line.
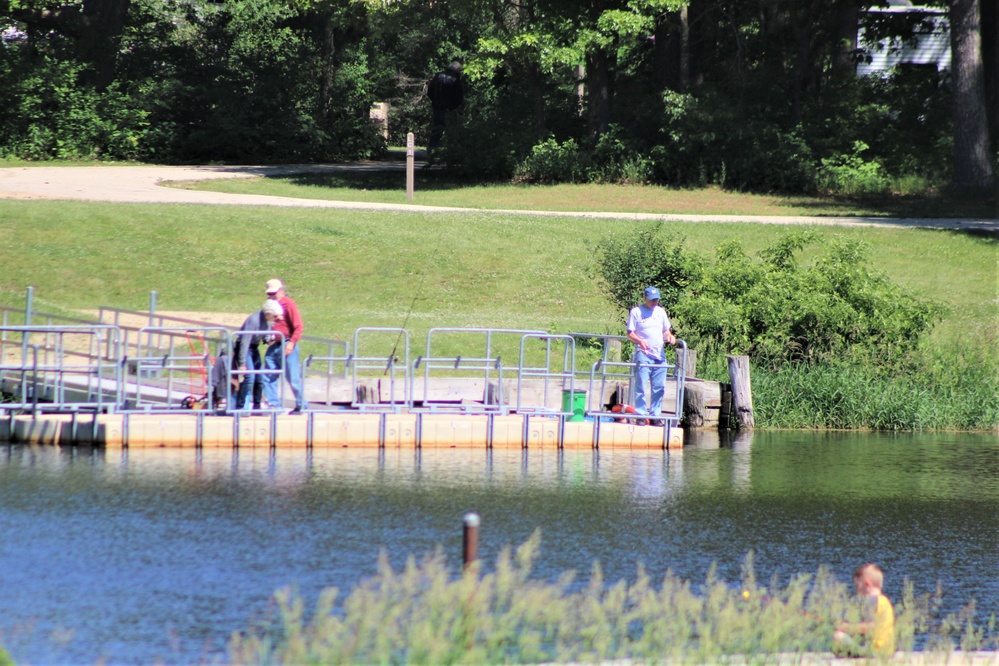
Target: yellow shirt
(883,636)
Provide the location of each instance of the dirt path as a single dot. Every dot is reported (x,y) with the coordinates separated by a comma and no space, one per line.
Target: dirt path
(141,184)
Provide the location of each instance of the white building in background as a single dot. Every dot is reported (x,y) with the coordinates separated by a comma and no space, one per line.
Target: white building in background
(930,44)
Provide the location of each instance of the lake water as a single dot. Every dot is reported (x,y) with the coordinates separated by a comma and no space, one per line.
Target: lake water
(159,555)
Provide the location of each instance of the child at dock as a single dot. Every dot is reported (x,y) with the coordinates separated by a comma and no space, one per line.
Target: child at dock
(875,634)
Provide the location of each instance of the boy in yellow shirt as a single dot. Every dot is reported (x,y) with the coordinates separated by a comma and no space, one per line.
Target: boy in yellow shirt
(875,636)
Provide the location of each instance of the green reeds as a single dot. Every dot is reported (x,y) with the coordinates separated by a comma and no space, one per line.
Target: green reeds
(424,614)
(942,389)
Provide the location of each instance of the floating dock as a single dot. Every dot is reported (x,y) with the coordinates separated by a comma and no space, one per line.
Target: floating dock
(333,429)
(125,378)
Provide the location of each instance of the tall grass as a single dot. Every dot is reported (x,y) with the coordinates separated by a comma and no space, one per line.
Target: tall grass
(942,388)
(424,614)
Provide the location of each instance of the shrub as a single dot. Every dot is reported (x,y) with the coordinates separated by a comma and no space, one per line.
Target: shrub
(770,308)
(618,160)
(553,162)
(626,265)
(852,174)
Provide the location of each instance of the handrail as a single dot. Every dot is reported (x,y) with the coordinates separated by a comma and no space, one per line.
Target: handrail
(487,364)
(674,371)
(50,372)
(567,375)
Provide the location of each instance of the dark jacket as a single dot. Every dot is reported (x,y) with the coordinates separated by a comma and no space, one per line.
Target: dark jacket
(255,322)
(445,90)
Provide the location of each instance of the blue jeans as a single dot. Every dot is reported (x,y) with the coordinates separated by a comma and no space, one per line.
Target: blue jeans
(292,371)
(656,377)
(251,383)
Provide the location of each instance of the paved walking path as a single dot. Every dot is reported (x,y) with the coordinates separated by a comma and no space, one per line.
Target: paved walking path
(141,184)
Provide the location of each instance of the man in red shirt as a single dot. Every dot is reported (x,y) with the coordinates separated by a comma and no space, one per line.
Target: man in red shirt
(290,325)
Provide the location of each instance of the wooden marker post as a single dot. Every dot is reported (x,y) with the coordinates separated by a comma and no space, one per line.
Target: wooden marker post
(471,538)
(742,395)
(410,158)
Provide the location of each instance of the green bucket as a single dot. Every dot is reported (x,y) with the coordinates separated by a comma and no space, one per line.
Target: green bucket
(577,406)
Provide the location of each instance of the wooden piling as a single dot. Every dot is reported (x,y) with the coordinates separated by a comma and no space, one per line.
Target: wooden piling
(470,534)
(690,367)
(742,395)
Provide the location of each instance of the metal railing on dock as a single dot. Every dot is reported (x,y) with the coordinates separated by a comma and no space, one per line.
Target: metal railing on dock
(61,368)
(66,366)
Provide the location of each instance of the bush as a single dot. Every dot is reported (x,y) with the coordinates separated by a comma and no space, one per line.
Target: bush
(47,114)
(553,162)
(852,174)
(704,140)
(618,160)
(626,265)
(771,308)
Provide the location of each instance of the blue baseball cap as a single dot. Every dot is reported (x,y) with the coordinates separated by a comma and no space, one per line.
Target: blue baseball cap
(651,293)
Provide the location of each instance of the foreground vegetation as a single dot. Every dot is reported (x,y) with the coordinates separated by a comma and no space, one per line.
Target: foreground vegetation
(350,268)
(425,615)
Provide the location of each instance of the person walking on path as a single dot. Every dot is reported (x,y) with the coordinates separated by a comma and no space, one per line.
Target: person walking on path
(290,325)
(446,93)
(246,353)
(650,329)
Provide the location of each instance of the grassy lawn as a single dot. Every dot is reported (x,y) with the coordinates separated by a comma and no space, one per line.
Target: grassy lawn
(357,268)
(438,189)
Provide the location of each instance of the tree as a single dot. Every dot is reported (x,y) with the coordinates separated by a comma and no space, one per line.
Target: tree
(972,162)
(94,26)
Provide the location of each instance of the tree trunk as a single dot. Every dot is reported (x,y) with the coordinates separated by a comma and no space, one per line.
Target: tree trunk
(990,56)
(671,58)
(326,32)
(598,88)
(537,86)
(844,58)
(105,21)
(972,162)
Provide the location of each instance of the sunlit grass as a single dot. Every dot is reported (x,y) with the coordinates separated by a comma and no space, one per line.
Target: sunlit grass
(357,268)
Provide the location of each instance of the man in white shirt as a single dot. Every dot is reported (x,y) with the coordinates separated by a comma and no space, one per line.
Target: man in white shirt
(650,329)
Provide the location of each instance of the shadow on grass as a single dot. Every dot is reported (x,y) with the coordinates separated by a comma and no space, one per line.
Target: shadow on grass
(377,180)
(942,206)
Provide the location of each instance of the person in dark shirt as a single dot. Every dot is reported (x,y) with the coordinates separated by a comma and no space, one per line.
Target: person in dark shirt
(246,353)
(446,93)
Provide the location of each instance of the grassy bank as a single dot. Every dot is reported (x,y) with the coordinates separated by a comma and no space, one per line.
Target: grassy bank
(424,615)
(435,188)
(349,269)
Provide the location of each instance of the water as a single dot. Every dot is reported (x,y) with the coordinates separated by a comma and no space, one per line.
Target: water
(159,555)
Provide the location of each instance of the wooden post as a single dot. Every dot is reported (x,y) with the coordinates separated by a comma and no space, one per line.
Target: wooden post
(410,159)
(470,538)
(725,413)
(693,406)
(742,394)
(690,367)
(613,350)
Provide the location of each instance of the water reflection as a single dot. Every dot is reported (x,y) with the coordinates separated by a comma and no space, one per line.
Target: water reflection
(159,554)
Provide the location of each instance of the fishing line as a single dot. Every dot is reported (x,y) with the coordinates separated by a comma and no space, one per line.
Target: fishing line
(412,305)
